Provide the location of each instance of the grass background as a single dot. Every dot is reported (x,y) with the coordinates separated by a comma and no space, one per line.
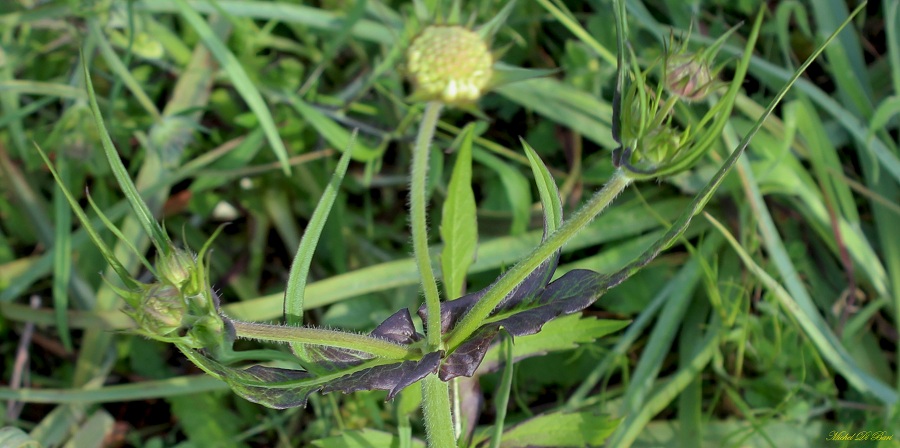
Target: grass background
(737,334)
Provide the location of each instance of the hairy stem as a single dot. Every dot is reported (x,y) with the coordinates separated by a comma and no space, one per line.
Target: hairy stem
(474,318)
(318,336)
(419,222)
(436,408)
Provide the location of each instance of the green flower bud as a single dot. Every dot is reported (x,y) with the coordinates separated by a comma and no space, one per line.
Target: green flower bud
(207,332)
(162,311)
(177,268)
(688,77)
(450,64)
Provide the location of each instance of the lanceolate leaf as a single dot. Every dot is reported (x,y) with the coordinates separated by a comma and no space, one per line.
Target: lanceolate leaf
(145,217)
(296,286)
(459,226)
(547,190)
(561,429)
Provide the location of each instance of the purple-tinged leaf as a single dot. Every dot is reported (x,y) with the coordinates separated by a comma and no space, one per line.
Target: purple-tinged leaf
(467,357)
(571,293)
(398,328)
(269,386)
(391,377)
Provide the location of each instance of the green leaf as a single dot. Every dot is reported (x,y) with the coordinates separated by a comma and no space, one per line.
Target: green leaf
(12,437)
(887,109)
(459,225)
(507,74)
(241,80)
(94,431)
(547,189)
(296,286)
(144,216)
(490,28)
(363,438)
(206,419)
(563,333)
(560,429)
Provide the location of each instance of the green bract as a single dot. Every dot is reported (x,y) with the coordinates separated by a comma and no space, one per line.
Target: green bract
(450,64)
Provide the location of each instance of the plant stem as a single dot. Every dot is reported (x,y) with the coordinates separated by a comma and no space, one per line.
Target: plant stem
(474,318)
(318,336)
(436,408)
(419,223)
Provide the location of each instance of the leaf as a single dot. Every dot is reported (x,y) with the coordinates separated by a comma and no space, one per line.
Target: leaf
(206,420)
(490,28)
(333,133)
(13,437)
(269,386)
(547,190)
(506,74)
(145,217)
(566,105)
(93,431)
(560,429)
(459,225)
(397,328)
(564,333)
(296,287)
(887,110)
(363,438)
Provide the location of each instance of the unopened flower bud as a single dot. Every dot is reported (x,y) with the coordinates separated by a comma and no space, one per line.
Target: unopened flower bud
(162,310)
(690,78)
(450,64)
(177,268)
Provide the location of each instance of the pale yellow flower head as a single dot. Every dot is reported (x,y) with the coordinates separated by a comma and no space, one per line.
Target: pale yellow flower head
(451,64)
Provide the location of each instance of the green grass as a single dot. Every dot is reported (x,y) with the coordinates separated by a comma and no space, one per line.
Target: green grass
(771,322)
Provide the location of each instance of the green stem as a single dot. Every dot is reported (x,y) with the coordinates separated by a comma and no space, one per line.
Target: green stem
(436,408)
(419,223)
(474,318)
(318,336)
